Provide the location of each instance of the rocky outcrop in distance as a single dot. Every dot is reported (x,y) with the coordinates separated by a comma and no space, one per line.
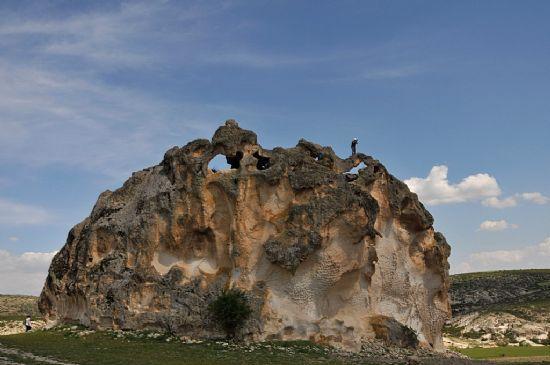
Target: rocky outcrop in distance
(499,308)
(322,254)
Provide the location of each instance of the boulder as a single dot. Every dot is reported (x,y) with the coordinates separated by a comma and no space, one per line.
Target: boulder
(321,256)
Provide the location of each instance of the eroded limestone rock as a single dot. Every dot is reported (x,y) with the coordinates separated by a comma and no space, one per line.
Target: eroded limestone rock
(321,256)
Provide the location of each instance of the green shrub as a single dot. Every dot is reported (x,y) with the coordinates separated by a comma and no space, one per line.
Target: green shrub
(502,343)
(511,337)
(230,310)
(452,330)
(474,334)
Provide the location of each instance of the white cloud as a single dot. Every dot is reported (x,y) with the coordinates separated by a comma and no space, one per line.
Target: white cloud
(512,201)
(25,273)
(544,247)
(495,202)
(535,197)
(435,188)
(529,257)
(12,213)
(13,238)
(461,267)
(392,73)
(496,225)
(499,256)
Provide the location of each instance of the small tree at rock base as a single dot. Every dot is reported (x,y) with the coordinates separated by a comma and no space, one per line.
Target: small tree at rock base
(230,310)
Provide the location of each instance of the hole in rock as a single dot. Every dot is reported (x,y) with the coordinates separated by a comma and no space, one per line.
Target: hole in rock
(356,169)
(218,163)
(263,162)
(235,161)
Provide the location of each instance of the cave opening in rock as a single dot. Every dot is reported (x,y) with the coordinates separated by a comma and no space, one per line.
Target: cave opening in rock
(235,161)
(356,169)
(353,174)
(218,163)
(263,162)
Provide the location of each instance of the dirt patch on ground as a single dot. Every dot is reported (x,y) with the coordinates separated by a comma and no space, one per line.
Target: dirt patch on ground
(13,327)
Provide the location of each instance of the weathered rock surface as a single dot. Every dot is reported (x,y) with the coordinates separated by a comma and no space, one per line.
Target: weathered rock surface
(322,255)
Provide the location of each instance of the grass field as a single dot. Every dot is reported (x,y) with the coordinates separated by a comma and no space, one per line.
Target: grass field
(508,351)
(106,349)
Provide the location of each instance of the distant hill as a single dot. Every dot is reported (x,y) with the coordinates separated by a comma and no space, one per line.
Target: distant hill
(483,290)
(18,305)
(500,307)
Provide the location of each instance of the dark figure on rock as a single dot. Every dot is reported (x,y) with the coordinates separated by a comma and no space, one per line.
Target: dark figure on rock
(354,146)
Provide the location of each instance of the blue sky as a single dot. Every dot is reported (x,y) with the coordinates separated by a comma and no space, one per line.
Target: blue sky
(454,94)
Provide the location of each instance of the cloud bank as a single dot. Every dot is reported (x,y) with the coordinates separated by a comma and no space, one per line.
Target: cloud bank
(533,257)
(25,273)
(512,201)
(435,189)
(499,225)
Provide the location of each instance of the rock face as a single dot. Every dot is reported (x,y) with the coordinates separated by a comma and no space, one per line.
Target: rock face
(322,254)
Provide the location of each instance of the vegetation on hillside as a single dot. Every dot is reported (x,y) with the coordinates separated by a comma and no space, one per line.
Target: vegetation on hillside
(18,306)
(469,276)
(500,308)
(497,289)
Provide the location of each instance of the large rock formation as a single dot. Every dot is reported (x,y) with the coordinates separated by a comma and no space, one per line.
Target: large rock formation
(322,254)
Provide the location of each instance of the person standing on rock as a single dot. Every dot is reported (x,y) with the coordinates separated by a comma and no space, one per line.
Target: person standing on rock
(28,324)
(354,146)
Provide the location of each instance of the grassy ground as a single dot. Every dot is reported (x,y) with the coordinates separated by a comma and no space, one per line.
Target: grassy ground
(508,351)
(105,349)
